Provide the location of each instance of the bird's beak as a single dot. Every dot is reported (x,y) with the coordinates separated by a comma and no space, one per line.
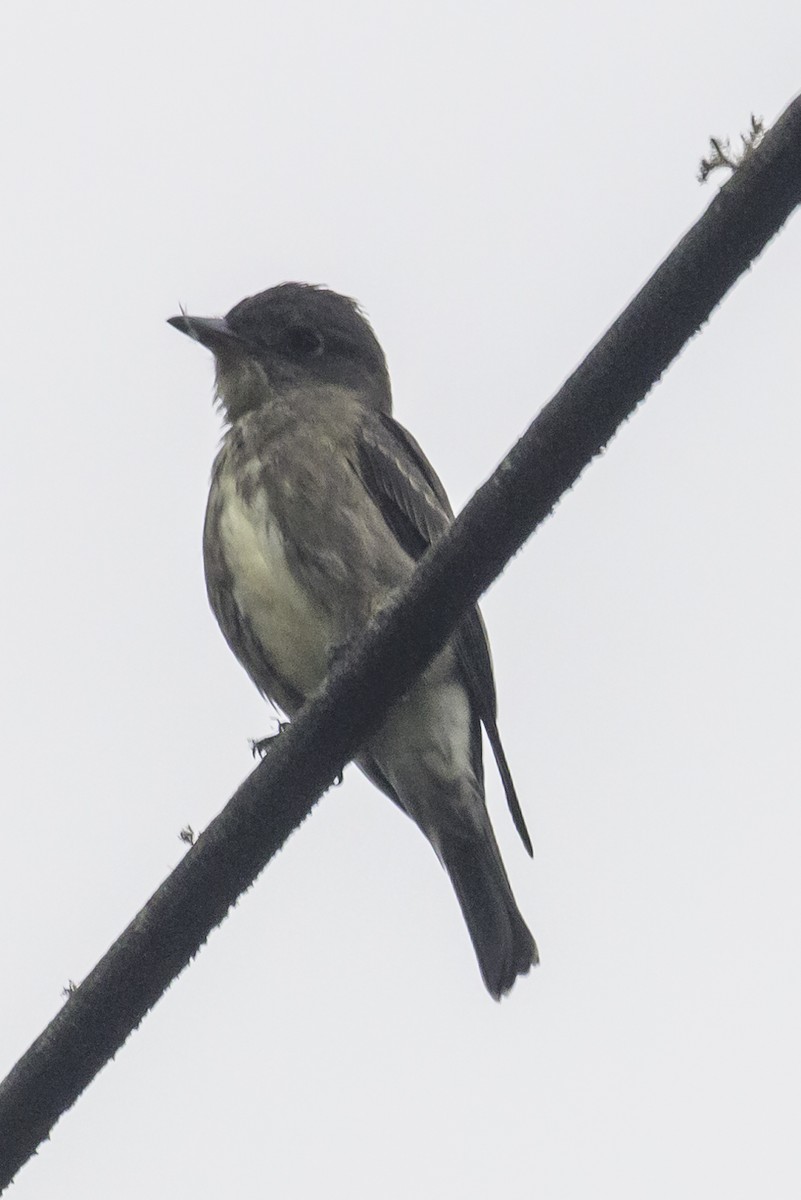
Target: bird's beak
(212,332)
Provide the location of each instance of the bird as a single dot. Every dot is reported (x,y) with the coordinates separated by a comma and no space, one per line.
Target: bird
(319,507)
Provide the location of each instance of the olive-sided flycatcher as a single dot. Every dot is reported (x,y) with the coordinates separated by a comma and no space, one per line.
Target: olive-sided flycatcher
(320,505)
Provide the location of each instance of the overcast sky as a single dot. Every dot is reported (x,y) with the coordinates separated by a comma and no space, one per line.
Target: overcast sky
(493,182)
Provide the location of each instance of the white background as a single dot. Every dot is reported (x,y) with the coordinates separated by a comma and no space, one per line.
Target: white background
(493,182)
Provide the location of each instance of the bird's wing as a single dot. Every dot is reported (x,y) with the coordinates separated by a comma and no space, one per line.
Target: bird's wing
(415,506)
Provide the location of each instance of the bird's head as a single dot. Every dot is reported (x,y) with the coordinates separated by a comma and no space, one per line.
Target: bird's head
(291,336)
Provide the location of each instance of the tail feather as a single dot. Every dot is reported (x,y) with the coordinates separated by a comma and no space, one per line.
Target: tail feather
(502,941)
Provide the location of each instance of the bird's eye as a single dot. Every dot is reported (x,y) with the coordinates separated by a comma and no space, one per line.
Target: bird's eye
(301,341)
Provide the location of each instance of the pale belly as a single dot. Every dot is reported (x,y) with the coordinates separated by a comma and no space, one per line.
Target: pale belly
(295,633)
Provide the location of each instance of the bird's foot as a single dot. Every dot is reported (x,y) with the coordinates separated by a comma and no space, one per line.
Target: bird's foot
(260,746)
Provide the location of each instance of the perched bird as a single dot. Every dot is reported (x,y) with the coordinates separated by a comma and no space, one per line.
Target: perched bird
(320,504)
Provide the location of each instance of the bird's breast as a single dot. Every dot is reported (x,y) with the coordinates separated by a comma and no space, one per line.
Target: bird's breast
(290,628)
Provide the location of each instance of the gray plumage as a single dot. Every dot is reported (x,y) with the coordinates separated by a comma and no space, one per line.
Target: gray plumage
(320,504)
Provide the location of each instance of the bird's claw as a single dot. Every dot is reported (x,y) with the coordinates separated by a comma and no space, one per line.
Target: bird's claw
(260,746)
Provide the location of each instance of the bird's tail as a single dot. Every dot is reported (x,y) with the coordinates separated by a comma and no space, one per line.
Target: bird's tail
(502,940)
